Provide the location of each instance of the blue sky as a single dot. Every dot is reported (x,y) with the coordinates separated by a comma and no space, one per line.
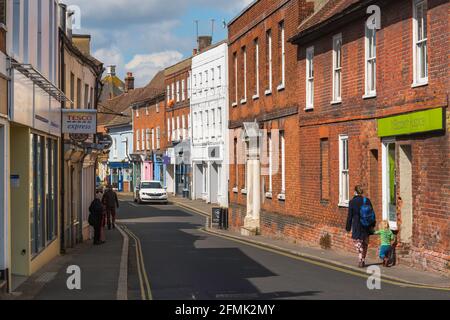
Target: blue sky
(145,36)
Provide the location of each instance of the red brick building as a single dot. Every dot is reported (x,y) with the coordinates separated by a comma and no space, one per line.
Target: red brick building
(149,126)
(177,83)
(263,89)
(374,112)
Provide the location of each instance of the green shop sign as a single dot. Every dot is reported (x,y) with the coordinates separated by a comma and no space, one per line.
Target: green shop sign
(423,121)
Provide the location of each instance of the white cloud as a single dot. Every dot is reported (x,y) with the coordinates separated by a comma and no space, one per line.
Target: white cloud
(145,66)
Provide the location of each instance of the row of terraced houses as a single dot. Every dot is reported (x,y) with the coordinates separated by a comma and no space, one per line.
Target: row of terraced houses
(304,101)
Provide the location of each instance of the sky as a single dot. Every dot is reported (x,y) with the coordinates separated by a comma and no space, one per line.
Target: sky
(145,36)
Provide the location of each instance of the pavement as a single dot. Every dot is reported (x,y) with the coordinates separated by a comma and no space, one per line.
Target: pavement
(401,273)
(165,252)
(100,268)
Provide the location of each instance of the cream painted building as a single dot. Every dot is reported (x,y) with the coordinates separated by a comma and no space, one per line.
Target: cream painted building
(82,74)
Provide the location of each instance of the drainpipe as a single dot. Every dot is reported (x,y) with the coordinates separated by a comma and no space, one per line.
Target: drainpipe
(62,160)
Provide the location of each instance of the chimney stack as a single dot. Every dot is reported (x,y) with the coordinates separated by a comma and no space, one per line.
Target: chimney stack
(129,82)
(204,42)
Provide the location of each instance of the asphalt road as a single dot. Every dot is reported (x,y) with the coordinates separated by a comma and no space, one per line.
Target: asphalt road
(182,262)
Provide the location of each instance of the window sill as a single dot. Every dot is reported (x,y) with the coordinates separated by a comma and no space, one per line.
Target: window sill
(235,190)
(244,191)
(234,105)
(244,101)
(369,96)
(281,87)
(269,195)
(336,102)
(419,84)
(282,197)
(343,205)
(256,97)
(309,108)
(268,92)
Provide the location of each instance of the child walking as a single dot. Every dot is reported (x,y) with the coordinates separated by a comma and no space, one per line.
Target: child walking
(386,237)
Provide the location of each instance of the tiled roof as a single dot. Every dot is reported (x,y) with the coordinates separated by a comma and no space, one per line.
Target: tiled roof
(328,10)
(122,103)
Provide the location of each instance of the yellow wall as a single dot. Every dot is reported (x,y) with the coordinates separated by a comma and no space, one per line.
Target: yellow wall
(25,265)
(20,217)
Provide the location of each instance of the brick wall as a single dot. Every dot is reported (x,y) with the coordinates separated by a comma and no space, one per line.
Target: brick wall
(356,117)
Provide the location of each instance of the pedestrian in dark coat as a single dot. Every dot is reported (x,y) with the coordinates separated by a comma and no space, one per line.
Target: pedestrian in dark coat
(96,210)
(111,202)
(360,234)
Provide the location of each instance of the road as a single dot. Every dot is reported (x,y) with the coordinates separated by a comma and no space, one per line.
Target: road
(176,260)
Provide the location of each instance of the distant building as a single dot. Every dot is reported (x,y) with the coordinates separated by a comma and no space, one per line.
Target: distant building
(209,114)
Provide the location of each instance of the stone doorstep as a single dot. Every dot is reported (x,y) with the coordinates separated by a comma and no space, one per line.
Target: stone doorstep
(261,243)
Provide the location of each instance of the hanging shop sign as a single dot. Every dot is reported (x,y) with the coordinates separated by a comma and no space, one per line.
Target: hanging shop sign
(79,121)
(105,140)
(79,137)
(416,122)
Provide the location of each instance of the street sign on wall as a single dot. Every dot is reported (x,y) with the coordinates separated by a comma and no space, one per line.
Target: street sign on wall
(79,121)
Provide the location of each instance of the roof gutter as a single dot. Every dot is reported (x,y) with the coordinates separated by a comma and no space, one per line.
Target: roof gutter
(354,12)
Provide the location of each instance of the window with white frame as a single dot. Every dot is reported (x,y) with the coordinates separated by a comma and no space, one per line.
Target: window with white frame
(115,148)
(337,68)
(137,113)
(183,95)
(219,73)
(173,91)
(153,138)
(189,86)
(168,129)
(310,78)
(206,80)
(195,125)
(138,140)
(168,94)
(244,55)
(183,125)
(174,133)
(283,161)
(201,121)
(158,138)
(147,138)
(270,156)
(282,46)
(178,133)
(212,78)
(157,107)
(219,122)
(344,177)
(200,77)
(371,62)
(195,85)
(207,124)
(420,42)
(178,91)
(213,122)
(235,65)
(269,61)
(256,42)
(143,140)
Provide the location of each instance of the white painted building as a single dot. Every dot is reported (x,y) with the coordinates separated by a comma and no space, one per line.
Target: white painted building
(209,114)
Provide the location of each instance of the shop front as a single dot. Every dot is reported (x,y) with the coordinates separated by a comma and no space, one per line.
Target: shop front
(415,175)
(121,176)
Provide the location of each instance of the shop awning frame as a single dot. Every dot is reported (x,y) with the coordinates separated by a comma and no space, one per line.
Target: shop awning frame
(40,80)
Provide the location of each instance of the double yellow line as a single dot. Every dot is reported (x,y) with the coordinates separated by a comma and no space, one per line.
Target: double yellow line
(146,292)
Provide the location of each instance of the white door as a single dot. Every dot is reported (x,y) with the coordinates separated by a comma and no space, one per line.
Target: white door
(390,182)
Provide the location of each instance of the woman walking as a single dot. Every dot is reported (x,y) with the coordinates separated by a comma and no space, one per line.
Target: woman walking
(359,225)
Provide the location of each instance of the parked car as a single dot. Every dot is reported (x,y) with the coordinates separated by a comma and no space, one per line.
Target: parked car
(151,191)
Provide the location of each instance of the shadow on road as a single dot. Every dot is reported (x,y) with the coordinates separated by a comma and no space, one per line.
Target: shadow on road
(181,265)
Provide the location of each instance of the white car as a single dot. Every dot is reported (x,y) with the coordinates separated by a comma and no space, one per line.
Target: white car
(151,191)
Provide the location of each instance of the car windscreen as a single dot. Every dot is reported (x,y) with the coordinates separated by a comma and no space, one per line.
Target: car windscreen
(151,185)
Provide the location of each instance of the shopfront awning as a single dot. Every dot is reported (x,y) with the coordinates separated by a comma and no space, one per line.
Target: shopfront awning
(41,81)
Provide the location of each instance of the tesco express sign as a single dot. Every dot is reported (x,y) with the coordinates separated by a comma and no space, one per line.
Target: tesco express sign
(79,121)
